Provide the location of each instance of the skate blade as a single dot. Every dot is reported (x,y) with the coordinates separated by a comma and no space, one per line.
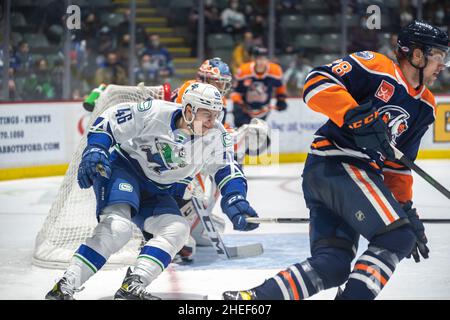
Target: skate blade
(171,296)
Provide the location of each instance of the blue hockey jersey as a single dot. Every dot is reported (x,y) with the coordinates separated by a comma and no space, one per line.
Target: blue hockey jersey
(365,76)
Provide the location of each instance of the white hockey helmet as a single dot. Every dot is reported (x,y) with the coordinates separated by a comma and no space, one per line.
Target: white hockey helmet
(201,95)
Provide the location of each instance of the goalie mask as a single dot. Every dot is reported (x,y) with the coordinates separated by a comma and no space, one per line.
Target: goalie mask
(216,72)
(201,96)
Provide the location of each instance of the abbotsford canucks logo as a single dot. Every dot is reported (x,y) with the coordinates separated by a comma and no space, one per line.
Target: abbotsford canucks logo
(396,119)
(167,156)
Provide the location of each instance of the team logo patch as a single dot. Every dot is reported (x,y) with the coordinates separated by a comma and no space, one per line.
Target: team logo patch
(125,187)
(366,55)
(396,119)
(146,105)
(226,139)
(360,215)
(385,91)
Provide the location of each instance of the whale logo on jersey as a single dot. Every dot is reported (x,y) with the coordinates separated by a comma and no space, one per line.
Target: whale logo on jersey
(396,119)
(168,156)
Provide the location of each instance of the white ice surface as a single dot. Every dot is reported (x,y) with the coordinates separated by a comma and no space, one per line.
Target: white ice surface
(273,192)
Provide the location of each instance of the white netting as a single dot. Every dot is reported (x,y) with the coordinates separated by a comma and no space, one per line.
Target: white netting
(72,215)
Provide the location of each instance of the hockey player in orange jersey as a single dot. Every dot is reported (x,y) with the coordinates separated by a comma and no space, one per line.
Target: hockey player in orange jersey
(352,183)
(254,86)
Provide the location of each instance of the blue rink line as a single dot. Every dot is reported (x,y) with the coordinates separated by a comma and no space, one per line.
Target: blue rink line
(280,251)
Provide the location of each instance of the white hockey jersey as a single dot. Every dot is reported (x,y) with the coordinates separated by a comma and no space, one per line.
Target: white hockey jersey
(145,134)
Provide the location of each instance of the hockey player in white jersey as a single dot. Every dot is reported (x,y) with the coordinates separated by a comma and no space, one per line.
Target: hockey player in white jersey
(154,144)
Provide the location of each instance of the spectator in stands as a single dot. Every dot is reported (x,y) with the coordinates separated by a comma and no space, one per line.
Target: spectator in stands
(213,24)
(123,49)
(90,27)
(22,60)
(362,38)
(124,28)
(439,14)
(258,26)
(87,65)
(40,84)
(294,77)
(406,12)
(12,87)
(106,41)
(148,71)
(389,48)
(112,72)
(241,52)
(287,7)
(233,20)
(161,55)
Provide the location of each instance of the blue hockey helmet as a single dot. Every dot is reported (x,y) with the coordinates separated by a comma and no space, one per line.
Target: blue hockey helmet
(216,72)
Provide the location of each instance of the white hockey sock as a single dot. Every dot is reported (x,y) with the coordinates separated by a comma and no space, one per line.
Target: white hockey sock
(170,234)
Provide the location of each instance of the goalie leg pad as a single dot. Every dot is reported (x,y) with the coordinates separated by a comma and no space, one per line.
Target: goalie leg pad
(170,233)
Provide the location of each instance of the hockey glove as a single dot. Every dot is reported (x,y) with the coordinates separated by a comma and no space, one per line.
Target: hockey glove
(281,105)
(369,130)
(94,162)
(421,244)
(237,209)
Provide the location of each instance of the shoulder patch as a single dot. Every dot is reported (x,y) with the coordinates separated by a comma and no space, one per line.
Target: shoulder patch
(125,187)
(146,105)
(385,91)
(227,140)
(366,55)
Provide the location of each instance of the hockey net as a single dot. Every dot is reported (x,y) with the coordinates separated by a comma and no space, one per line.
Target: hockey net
(72,215)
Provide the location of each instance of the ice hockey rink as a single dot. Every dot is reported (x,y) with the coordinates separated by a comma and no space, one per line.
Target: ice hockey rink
(274,191)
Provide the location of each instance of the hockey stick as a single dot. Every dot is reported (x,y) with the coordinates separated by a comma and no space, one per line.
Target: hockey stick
(410,164)
(222,250)
(307,220)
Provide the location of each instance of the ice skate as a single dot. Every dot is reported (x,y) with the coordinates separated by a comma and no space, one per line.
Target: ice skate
(62,290)
(133,289)
(239,295)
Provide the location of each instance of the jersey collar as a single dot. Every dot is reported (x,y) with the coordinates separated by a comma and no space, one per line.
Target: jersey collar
(173,121)
(411,90)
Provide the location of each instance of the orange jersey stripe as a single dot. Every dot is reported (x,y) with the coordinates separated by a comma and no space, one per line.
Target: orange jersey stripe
(400,185)
(334,102)
(321,144)
(312,81)
(247,70)
(373,193)
(372,271)
(236,98)
(281,90)
(378,64)
(288,277)
(394,165)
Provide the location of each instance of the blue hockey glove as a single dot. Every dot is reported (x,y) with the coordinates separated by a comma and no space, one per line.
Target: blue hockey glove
(281,105)
(237,209)
(94,162)
(421,244)
(369,130)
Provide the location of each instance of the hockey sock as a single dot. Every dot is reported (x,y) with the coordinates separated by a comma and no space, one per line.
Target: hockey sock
(297,282)
(150,263)
(84,264)
(370,274)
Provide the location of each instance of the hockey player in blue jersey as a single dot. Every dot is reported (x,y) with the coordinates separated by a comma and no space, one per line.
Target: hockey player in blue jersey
(155,144)
(352,184)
